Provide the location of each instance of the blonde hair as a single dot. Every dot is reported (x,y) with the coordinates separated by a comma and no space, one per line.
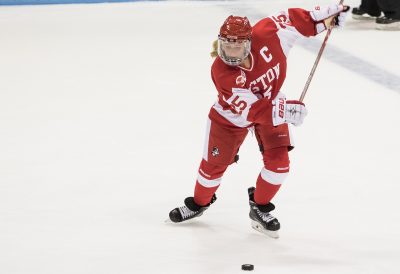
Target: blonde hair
(214,52)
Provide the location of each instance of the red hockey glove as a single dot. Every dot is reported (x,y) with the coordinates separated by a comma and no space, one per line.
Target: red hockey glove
(324,15)
(291,111)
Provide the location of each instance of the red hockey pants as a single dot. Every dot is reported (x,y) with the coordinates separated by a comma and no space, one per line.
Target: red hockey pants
(221,146)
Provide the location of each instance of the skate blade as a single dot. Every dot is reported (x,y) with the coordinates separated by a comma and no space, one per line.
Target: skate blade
(392,26)
(190,221)
(260,228)
(168,221)
(363,17)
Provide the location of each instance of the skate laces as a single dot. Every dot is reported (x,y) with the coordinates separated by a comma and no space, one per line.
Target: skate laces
(266,217)
(186,212)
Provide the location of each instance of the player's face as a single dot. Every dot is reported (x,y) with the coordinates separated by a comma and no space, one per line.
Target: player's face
(233,52)
(233,49)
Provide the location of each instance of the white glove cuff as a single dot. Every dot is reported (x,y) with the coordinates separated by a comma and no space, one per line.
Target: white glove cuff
(278,110)
(320,27)
(322,13)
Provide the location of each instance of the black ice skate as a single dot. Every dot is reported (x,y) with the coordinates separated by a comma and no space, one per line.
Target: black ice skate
(261,219)
(387,23)
(189,211)
(361,14)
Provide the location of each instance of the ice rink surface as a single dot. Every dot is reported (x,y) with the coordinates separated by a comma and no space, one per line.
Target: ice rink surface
(102,118)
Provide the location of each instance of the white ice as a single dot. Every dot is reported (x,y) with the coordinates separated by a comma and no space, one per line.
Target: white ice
(102,118)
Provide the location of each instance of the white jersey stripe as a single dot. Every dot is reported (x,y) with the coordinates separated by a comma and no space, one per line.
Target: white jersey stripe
(287,34)
(273,177)
(208,183)
(235,119)
(206,139)
(243,95)
(291,136)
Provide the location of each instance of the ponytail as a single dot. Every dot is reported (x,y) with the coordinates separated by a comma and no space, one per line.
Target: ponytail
(214,52)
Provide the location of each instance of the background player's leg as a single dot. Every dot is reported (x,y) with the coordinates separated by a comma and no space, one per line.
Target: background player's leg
(391,8)
(368,9)
(371,7)
(391,20)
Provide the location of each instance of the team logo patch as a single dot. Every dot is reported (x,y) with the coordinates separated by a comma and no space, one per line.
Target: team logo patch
(215,152)
(241,79)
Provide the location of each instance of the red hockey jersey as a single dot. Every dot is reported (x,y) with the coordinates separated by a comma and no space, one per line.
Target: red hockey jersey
(245,95)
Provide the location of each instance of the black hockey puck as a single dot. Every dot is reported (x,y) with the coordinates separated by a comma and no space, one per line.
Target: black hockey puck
(248,267)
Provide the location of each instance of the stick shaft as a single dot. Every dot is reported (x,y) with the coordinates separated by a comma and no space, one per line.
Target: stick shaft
(321,50)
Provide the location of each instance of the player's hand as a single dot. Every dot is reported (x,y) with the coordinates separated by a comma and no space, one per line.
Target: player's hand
(323,16)
(291,111)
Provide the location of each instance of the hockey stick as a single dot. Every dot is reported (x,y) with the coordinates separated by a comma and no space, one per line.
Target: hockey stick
(321,50)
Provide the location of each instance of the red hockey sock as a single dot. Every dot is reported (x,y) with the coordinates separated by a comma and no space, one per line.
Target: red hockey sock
(203,195)
(264,191)
(209,175)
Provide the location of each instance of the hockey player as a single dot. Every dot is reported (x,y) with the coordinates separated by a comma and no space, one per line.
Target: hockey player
(248,74)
